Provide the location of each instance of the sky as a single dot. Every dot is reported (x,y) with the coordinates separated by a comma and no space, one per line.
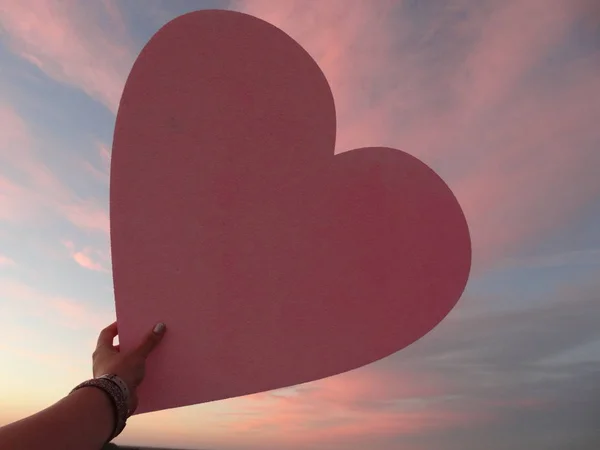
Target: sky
(500,98)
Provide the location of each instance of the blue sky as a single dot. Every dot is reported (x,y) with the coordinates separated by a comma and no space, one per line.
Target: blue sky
(502,99)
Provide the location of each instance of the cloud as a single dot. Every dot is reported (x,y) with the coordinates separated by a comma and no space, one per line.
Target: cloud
(105,155)
(470,378)
(501,98)
(517,338)
(574,258)
(505,118)
(5,261)
(87,257)
(99,171)
(22,302)
(353,405)
(498,97)
(30,190)
(68,41)
(86,214)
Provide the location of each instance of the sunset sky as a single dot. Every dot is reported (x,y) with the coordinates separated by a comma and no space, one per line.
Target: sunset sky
(501,98)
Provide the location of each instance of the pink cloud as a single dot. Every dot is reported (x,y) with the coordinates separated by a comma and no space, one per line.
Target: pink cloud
(14,202)
(101,170)
(86,214)
(39,193)
(22,301)
(104,154)
(351,389)
(87,257)
(359,405)
(470,109)
(68,42)
(5,261)
(96,173)
(515,144)
(340,36)
(426,395)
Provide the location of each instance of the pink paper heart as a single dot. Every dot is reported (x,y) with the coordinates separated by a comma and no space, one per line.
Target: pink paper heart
(273,261)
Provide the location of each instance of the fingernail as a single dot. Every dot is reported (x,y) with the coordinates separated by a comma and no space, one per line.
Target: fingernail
(159,328)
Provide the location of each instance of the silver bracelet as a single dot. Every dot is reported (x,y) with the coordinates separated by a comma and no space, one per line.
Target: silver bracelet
(118,399)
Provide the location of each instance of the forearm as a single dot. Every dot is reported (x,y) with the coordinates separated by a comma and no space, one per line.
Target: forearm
(82,420)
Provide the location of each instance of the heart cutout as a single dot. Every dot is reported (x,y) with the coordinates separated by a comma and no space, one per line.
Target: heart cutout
(272,260)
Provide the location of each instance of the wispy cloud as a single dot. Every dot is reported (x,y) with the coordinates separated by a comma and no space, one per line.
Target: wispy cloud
(501,98)
(100,169)
(576,258)
(5,261)
(68,41)
(87,257)
(30,190)
(475,373)
(354,406)
(434,80)
(496,96)
(104,154)
(22,302)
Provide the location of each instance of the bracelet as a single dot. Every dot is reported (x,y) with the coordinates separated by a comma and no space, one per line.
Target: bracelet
(121,384)
(118,400)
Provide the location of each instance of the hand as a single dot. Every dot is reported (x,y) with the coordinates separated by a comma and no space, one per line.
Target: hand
(130,366)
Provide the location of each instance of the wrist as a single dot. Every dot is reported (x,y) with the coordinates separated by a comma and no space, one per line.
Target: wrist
(123,386)
(103,405)
(117,399)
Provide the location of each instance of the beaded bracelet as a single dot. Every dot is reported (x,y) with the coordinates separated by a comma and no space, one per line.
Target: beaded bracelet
(118,399)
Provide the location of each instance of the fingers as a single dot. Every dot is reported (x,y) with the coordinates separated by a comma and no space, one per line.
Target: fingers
(151,340)
(107,336)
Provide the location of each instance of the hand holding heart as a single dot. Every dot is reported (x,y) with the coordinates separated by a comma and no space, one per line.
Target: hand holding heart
(273,261)
(129,366)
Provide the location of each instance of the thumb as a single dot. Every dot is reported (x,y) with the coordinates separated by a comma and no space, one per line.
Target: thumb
(151,340)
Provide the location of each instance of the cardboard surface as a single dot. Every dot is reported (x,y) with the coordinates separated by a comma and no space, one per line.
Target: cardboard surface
(272,261)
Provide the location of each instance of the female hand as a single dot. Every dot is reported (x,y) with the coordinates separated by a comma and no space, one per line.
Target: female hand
(130,366)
